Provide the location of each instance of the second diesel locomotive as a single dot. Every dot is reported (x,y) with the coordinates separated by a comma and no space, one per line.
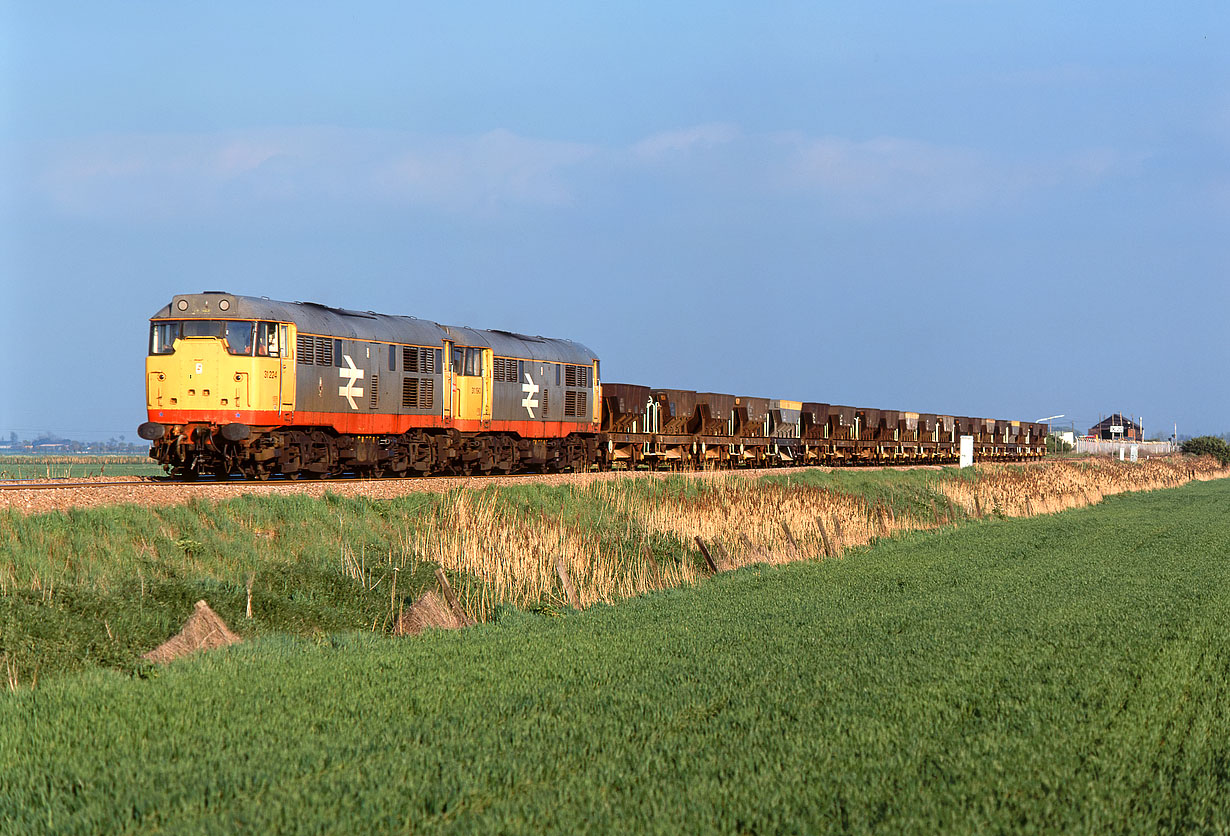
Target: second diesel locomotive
(238,384)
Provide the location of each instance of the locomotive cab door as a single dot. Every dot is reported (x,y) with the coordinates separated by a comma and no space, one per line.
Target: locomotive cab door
(488,395)
(596,418)
(448,397)
(286,381)
(471,369)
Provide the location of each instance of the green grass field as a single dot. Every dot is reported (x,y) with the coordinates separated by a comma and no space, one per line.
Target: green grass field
(77,466)
(1055,674)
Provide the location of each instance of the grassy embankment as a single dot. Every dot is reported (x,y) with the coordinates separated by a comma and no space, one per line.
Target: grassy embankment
(1064,673)
(99,587)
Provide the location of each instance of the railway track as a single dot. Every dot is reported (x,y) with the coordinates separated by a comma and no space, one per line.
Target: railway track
(126,489)
(158,481)
(66,495)
(44,485)
(162,481)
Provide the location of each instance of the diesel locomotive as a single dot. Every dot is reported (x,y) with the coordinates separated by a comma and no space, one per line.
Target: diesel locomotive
(251,386)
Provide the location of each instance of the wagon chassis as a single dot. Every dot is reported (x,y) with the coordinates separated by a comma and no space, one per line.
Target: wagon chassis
(318,453)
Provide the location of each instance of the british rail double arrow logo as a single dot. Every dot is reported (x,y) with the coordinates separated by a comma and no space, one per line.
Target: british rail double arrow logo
(530,388)
(348,390)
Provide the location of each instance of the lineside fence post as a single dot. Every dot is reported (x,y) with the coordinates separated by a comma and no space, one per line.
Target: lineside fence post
(561,569)
(465,620)
(705,552)
(824,538)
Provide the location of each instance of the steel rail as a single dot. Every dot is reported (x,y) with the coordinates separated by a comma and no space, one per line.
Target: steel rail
(161,481)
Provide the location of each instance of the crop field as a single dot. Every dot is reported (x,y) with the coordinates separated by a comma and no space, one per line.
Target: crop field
(76,466)
(1058,673)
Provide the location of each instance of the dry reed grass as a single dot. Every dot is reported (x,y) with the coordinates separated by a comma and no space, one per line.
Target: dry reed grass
(1050,487)
(749,522)
(503,557)
(507,558)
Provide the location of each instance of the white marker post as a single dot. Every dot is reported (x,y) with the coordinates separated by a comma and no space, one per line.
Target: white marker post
(967,450)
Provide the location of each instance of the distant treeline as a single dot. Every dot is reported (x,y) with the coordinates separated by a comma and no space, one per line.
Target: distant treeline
(48,443)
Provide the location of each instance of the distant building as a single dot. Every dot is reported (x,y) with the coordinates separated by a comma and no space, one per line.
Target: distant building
(1116,428)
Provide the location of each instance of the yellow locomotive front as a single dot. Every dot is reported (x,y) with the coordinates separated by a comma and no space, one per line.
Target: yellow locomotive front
(215,373)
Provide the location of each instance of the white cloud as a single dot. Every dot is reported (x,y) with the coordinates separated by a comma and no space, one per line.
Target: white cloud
(208,175)
(486,171)
(888,174)
(204,174)
(684,140)
(891,175)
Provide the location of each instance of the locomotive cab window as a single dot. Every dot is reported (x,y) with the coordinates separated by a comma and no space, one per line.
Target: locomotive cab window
(267,339)
(467,362)
(162,337)
(474,362)
(236,336)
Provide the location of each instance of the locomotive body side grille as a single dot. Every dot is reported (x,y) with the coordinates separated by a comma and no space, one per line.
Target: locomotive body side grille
(575,404)
(324,351)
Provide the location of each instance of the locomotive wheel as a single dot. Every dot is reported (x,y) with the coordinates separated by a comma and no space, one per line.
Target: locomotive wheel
(258,472)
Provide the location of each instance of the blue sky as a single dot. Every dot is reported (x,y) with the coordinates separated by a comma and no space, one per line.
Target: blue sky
(983,208)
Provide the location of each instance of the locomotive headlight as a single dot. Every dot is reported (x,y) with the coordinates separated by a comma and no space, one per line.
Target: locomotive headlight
(224,305)
(182,304)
